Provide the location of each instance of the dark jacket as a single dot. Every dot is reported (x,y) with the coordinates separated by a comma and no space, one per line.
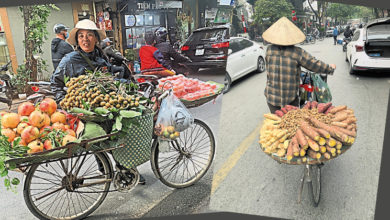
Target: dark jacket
(348,33)
(59,48)
(73,65)
(168,52)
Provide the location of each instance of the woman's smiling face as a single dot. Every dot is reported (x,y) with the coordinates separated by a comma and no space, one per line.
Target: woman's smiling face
(87,40)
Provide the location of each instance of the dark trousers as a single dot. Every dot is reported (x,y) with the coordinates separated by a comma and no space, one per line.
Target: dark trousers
(273,108)
(335,39)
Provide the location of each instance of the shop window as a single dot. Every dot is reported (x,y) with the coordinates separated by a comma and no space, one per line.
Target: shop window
(140,20)
(4,55)
(149,20)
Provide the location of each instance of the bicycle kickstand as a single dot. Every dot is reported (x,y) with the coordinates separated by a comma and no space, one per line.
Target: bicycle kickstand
(302,184)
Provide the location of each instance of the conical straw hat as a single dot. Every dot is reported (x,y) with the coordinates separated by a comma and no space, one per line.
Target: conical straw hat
(283,32)
(85,24)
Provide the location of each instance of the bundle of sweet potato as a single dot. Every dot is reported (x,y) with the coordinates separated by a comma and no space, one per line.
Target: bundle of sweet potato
(321,132)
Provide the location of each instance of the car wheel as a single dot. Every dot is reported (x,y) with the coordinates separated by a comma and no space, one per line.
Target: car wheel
(351,71)
(227,83)
(260,65)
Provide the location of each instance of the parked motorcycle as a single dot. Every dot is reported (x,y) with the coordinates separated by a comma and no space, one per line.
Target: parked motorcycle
(346,40)
(6,86)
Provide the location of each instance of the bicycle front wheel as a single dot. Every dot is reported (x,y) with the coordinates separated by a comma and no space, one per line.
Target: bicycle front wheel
(315,184)
(69,188)
(186,160)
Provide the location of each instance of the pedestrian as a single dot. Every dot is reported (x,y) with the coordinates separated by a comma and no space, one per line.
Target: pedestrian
(152,61)
(88,56)
(335,34)
(59,47)
(284,62)
(171,56)
(348,32)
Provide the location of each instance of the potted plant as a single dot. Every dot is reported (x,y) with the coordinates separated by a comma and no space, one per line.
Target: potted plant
(19,81)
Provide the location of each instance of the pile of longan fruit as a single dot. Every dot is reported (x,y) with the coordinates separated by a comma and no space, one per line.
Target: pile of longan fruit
(81,89)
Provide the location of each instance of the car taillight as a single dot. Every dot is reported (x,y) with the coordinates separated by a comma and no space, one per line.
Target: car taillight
(184,48)
(220,45)
(35,88)
(359,48)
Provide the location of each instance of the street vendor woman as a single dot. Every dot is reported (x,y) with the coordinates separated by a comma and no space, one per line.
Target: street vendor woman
(284,61)
(88,56)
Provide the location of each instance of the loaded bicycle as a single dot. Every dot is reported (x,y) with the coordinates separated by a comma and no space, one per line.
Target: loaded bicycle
(317,134)
(72,181)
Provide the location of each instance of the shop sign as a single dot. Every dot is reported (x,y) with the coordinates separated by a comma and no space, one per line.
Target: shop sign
(146,6)
(226,2)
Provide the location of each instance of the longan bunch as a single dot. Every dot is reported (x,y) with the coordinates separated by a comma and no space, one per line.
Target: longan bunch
(84,90)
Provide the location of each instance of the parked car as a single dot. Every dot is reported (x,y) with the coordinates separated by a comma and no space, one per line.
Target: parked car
(369,49)
(329,32)
(245,56)
(207,47)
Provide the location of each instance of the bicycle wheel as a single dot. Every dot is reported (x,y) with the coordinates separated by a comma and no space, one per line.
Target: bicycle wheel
(70,188)
(312,40)
(188,157)
(315,184)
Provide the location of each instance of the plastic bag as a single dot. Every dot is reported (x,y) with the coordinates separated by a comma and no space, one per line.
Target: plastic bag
(172,119)
(322,92)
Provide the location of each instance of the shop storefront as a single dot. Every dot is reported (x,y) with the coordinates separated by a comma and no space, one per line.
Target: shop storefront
(4,54)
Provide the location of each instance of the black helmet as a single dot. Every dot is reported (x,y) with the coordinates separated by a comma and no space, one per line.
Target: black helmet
(161,34)
(59,27)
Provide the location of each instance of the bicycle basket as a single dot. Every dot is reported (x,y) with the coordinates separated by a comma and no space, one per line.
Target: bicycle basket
(138,142)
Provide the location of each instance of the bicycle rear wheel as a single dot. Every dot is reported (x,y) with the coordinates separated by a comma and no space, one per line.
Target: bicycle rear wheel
(69,188)
(187,159)
(314,184)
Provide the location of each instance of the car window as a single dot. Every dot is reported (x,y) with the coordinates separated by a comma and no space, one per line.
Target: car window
(199,37)
(246,43)
(356,36)
(234,45)
(379,32)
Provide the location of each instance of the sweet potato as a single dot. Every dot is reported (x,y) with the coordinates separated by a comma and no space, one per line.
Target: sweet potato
(327,156)
(323,132)
(309,131)
(339,145)
(331,150)
(322,107)
(313,145)
(301,138)
(307,105)
(295,146)
(331,129)
(304,159)
(279,113)
(340,117)
(313,154)
(322,149)
(322,141)
(284,110)
(350,120)
(331,142)
(289,107)
(289,153)
(339,124)
(338,151)
(346,131)
(302,152)
(272,117)
(313,104)
(337,109)
(281,152)
(329,109)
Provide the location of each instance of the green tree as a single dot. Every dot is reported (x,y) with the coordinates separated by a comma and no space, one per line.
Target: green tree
(272,9)
(342,12)
(35,34)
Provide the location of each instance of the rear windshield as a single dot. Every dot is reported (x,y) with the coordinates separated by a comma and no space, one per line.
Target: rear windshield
(206,36)
(379,32)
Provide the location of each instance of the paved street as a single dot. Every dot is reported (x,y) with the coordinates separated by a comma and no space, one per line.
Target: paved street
(150,200)
(246,180)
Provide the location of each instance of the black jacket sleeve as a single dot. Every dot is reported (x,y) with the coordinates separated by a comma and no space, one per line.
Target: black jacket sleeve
(58,81)
(160,59)
(177,56)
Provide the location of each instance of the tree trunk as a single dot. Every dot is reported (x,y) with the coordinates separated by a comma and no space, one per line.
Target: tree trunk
(31,62)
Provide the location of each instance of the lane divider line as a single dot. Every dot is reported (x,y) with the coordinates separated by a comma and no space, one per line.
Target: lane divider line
(231,162)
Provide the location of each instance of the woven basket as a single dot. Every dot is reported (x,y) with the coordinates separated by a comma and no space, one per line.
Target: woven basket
(138,142)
